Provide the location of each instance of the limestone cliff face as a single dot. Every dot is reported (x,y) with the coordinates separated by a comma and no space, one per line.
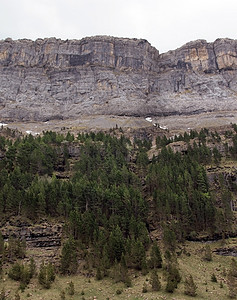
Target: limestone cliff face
(51,78)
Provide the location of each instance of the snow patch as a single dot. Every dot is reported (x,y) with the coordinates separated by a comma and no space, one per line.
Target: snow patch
(31,132)
(149,119)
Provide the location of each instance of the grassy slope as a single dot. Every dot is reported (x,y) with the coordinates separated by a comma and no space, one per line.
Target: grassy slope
(106,289)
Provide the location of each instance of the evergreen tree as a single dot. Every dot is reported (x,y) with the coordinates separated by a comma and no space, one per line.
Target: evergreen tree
(156,259)
(207,253)
(137,254)
(116,244)
(69,262)
(173,278)
(98,274)
(154,281)
(46,275)
(169,239)
(190,287)
(213,278)
(32,267)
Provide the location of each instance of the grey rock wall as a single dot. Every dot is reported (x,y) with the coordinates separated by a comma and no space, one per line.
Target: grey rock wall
(55,79)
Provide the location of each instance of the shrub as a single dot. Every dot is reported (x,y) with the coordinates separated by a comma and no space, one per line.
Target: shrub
(119,291)
(213,278)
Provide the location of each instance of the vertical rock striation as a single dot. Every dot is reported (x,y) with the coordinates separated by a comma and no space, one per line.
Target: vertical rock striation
(56,79)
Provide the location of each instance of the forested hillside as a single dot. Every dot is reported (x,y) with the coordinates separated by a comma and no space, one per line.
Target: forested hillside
(111,196)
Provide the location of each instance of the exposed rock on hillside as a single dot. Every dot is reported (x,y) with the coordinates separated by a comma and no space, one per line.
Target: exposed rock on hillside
(56,79)
(41,235)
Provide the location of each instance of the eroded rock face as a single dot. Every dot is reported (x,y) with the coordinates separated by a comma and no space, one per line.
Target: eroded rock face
(41,235)
(55,79)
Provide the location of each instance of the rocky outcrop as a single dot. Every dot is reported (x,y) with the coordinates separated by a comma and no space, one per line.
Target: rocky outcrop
(55,79)
(41,235)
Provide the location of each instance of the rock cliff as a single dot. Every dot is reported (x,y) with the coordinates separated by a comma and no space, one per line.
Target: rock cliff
(55,79)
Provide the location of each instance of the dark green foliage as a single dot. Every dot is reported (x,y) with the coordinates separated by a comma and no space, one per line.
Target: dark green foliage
(46,275)
(32,267)
(98,274)
(207,254)
(120,274)
(169,239)
(116,244)
(154,281)
(190,287)
(15,248)
(136,255)
(69,262)
(20,272)
(106,200)
(213,278)
(173,278)
(119,291)
(16,272)
(156,258)
(170,285)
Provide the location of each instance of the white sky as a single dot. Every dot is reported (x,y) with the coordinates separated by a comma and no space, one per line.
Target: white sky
(166,24)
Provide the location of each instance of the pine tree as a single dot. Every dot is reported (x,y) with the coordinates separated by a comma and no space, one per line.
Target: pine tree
(169,239)
(171,284)
(32,267)
(98,274)
(213,278)
(154,281)
(69,262)
(173,278)
(207,253)
(190,287)
(46,275)
(116,244)
(156,259)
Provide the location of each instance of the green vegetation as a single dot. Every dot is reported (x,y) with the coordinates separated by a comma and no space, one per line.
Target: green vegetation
(111,197)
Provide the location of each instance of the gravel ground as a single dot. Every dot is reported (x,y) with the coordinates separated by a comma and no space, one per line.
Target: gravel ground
(102,122)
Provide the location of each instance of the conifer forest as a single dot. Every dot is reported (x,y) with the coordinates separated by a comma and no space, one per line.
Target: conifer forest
(126,204)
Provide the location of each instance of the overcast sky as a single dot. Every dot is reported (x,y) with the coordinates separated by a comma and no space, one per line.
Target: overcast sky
(166,24)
